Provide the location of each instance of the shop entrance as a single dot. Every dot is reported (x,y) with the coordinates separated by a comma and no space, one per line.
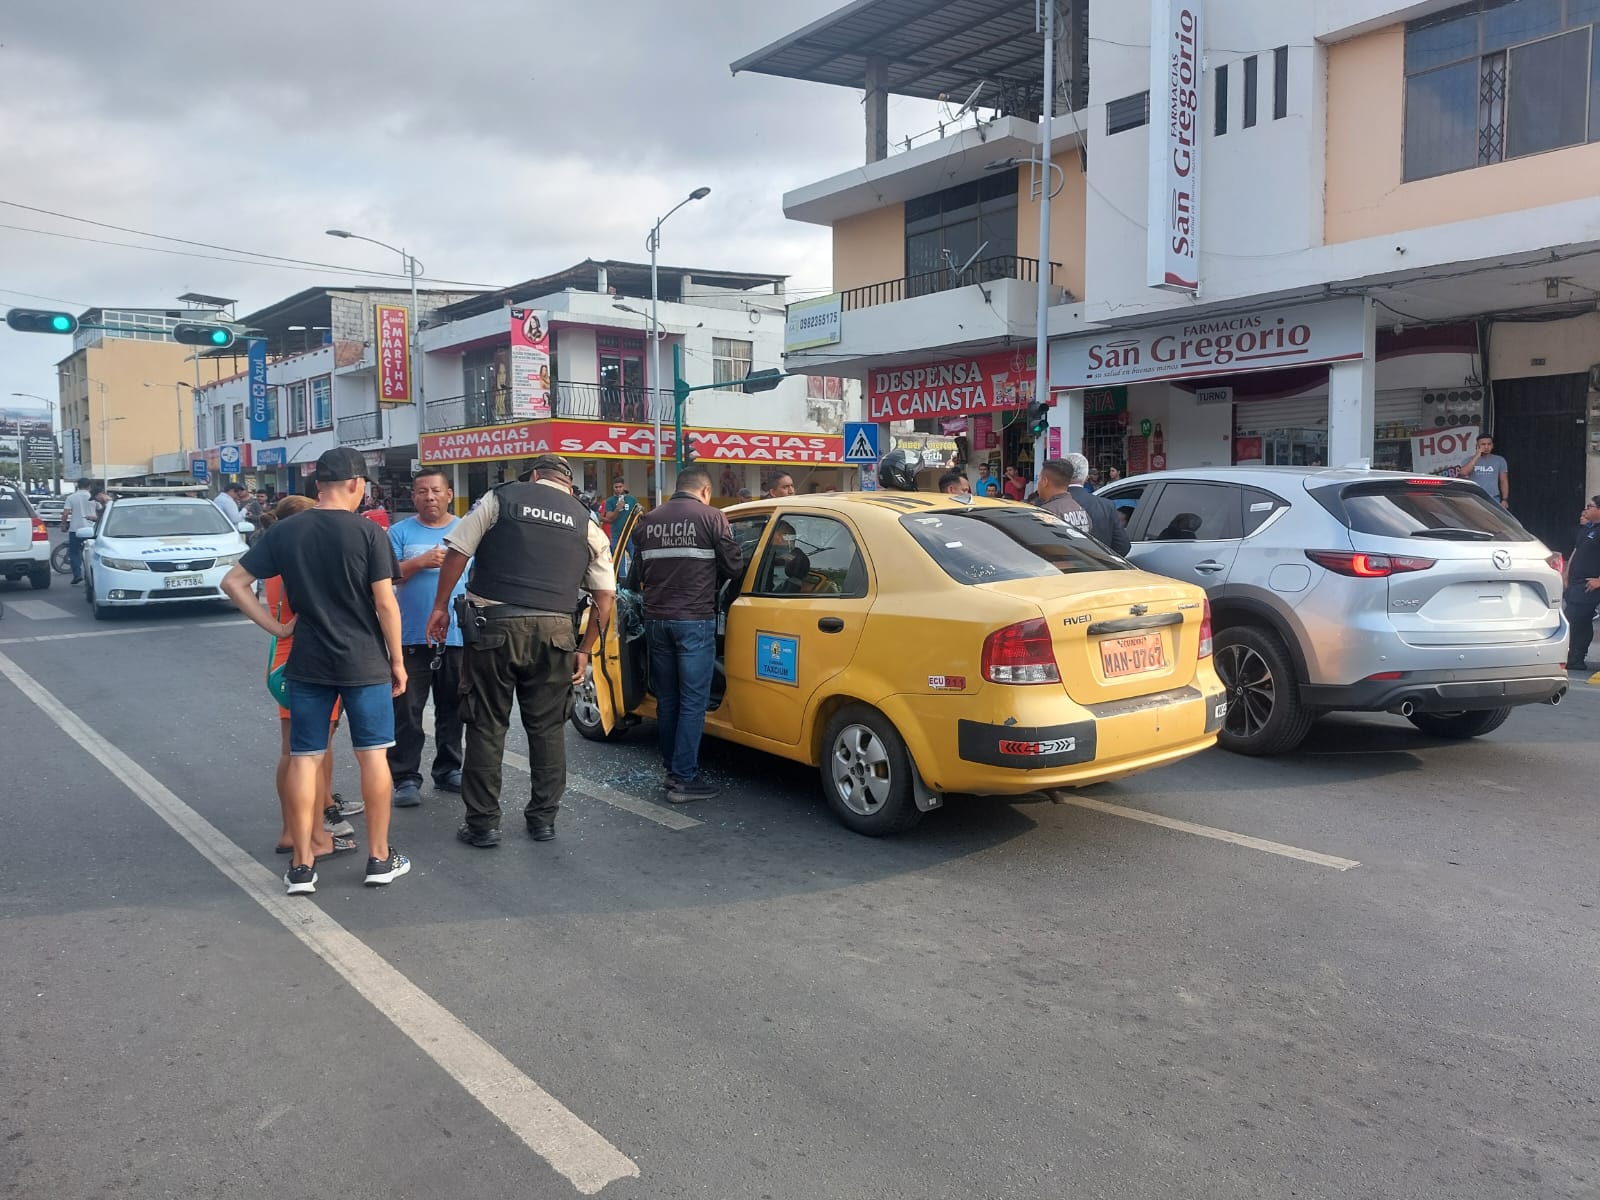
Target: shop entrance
(1540,430)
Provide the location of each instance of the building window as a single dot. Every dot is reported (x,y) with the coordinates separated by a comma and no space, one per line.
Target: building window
(974,222)
(486,384)
(1220,102)
(730,360)
(1280,83)
(1130,112)
(272,412)
(322,402)
(620,369)
(297,408)
(1493,80)
(219,425)
(824,387)
(1251,84)
(240,429)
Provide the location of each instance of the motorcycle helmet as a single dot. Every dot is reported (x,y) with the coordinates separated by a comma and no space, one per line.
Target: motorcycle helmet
(897,471)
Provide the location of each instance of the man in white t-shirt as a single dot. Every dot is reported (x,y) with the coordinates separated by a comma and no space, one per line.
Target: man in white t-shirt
(78,517)
(227,502)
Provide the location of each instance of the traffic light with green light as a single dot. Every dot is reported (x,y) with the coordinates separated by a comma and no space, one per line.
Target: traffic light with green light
(217,337)
(39,320)
(1038,417)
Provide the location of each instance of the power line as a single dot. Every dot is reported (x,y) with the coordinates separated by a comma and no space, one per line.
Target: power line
(53,299)
(245,262)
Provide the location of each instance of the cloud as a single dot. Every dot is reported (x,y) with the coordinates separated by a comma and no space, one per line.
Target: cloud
(497,141)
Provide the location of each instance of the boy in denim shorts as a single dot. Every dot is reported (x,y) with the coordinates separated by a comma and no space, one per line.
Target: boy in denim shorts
(338,574)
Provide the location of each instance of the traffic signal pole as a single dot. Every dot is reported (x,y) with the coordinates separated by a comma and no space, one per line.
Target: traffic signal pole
(756,381)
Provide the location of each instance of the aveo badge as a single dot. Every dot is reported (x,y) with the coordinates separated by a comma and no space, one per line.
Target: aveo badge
(777,658)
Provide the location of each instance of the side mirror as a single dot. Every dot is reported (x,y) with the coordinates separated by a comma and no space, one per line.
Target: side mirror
(245,527)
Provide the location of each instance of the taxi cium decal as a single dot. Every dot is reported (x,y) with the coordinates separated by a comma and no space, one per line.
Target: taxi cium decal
(1017,749)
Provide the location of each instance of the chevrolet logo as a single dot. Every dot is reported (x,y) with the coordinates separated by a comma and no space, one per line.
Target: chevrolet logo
(1139,610)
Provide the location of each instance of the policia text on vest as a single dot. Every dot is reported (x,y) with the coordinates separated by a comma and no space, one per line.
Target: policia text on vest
(532,548)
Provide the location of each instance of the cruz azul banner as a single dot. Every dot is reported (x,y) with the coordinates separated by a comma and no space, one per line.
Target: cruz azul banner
(602,439)
(957,388)
(394,353)
(530,364)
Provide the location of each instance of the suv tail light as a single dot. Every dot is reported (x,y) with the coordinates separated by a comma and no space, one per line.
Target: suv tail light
(1368,566)
(1556,562)
(1205,632)
(1020,653)
(40,533)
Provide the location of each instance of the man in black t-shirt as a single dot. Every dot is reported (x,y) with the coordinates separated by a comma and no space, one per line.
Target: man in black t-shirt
(1581,596)
(338,574)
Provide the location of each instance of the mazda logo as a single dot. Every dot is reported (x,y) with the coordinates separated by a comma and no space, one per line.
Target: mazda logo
(1502,560)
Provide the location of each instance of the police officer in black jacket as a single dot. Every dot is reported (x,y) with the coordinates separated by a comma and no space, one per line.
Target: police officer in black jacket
(533,546)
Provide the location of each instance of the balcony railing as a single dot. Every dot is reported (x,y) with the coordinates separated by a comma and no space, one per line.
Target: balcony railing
(574,401)
(985,270)
(363,427)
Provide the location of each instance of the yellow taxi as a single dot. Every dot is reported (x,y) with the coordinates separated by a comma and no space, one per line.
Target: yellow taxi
(910,646)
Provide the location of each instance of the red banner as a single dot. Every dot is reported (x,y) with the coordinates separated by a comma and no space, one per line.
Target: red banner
(394,353)
(603,439)
(955,388)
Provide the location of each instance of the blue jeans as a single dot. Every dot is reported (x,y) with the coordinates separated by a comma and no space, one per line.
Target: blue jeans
(368,710)
(75,554)
(682,655)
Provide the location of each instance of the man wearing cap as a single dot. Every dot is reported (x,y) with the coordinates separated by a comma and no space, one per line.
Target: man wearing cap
(1581,596)
(338,574)
(532,547)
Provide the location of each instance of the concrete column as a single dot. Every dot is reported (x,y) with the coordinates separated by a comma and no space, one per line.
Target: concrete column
(1067,416)
(1352,405)
(877,108)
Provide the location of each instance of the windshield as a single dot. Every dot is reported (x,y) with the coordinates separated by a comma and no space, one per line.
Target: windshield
(1406,508)
(990,545)
(164,520)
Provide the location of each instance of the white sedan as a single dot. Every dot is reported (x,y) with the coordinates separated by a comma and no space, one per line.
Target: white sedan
(159,550)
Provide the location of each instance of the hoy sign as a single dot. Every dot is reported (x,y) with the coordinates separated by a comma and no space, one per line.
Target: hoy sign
(1447,448)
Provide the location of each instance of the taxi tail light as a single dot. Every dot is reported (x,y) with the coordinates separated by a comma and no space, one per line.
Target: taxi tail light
(40,533)
(1205,632)
(1020,653)
(1556,562)
(1368,566)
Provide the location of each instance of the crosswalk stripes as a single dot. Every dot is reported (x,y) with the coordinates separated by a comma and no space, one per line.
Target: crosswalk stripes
(36,610)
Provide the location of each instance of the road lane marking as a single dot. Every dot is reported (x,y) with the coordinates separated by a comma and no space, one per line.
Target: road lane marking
(587,1160)
(609,795)
(38,610)
(94,633)
(1220,835)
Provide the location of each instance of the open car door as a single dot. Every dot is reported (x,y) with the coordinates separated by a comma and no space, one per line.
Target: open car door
(601,704)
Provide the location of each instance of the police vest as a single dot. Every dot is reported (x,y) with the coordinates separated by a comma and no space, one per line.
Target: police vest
(536,553)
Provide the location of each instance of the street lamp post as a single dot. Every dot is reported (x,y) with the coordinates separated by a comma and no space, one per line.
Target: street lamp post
(55,442)
(656,334)
(412,268)
(177,397)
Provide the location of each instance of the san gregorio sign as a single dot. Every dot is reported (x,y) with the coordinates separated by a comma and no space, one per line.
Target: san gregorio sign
(957,387)
(1213,345)
(603,439)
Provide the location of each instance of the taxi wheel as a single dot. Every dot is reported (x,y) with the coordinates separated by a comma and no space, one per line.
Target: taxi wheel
(586,712)
(866,773)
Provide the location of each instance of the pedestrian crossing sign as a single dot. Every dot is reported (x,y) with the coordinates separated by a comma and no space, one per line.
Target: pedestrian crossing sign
(860,442)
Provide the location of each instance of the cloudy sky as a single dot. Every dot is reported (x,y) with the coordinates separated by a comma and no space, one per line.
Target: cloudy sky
(497,139)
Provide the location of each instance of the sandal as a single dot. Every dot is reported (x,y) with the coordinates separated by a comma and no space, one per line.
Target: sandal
(341,845)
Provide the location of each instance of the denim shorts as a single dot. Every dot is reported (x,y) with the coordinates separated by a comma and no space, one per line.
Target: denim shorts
(368,710)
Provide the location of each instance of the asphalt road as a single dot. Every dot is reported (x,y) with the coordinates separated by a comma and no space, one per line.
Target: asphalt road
(1015,1000)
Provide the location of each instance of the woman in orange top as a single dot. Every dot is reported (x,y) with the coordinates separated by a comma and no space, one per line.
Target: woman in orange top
(324,843)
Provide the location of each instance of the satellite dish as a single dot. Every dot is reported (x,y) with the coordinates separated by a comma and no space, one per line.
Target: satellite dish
(972,99)
(962,270)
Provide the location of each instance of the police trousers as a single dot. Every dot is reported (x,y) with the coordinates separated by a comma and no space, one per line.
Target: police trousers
(527,659)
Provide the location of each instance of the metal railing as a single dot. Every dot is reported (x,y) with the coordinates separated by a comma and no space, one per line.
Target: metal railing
(985,270)
(362,427)
(574,401)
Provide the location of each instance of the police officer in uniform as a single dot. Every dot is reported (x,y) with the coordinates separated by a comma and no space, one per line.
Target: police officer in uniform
(532,547)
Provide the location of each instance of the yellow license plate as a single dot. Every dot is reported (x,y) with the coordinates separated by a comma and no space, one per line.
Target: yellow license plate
(1132,655)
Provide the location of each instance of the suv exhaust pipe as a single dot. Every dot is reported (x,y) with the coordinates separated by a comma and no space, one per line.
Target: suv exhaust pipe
(1557,698)
(1404,709)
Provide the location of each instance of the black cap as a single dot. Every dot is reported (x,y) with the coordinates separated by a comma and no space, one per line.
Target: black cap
(341,463)
(235,486)
(552,464)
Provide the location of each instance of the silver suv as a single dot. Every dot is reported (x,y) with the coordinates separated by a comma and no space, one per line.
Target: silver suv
(1365,591)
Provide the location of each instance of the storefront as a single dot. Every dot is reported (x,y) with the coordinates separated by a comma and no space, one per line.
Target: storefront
(600,452)
(1255,388)
(969,411)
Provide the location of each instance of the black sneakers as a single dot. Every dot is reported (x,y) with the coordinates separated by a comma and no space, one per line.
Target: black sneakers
(386,870)
(301,881)
(679,792)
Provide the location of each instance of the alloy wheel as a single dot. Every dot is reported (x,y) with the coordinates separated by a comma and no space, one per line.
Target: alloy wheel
(860,770)
(1251,691)
(585,704)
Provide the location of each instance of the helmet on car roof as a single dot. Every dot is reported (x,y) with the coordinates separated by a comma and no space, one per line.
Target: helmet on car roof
(897,471)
